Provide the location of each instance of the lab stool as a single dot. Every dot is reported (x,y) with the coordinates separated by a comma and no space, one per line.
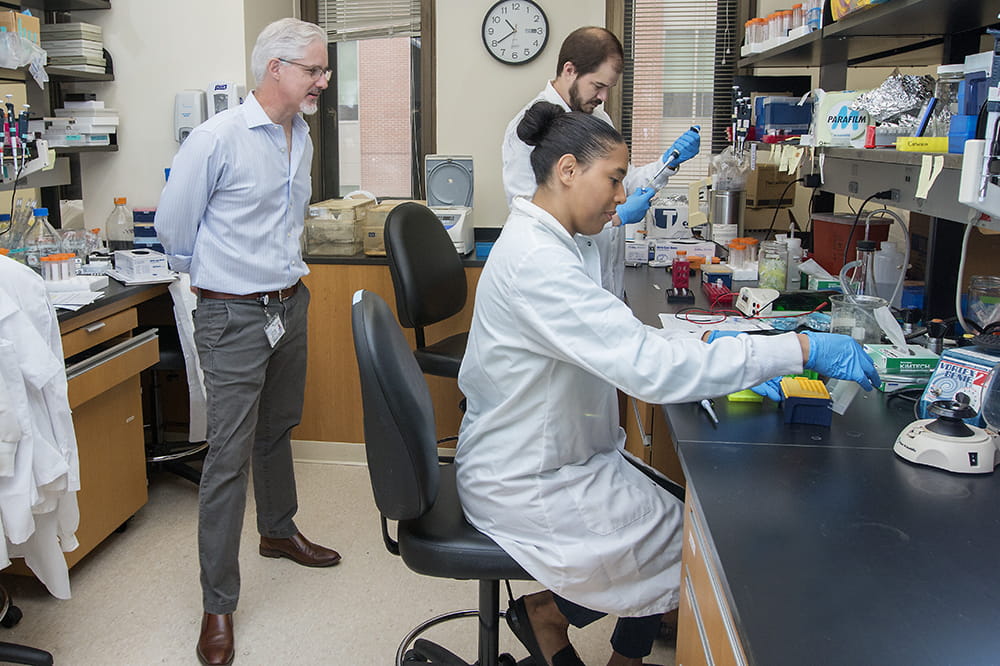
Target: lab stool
(172,456)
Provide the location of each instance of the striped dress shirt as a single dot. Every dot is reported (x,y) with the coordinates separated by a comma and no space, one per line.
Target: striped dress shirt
(232,211)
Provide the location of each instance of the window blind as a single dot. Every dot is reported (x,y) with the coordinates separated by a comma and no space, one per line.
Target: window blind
(348,20)
(680,61)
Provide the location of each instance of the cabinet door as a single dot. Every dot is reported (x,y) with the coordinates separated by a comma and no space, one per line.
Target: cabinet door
(112,463)
(647,437)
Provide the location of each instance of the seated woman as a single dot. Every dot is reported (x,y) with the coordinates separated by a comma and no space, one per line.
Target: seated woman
(539,459)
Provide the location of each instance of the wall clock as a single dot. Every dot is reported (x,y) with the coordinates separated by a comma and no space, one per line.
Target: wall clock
(515,31)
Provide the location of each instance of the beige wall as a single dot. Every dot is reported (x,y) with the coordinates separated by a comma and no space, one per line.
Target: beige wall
(477,95)
(158,50)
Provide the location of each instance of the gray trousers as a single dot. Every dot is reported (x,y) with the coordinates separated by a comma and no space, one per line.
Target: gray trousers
(254,398)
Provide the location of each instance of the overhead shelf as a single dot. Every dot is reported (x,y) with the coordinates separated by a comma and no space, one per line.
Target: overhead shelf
(68,150)
(73,5)
(897,33)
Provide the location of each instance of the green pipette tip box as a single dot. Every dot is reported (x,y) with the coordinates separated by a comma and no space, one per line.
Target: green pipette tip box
(746,395)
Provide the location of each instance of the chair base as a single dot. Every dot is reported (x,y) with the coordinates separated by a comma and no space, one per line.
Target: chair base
(489,614)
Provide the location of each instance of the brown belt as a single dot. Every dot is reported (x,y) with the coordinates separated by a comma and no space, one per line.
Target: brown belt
(263,296)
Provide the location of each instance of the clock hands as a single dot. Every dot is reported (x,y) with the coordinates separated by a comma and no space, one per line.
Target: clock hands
(513,30)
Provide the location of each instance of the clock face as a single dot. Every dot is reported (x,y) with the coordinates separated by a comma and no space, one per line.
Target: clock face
(515,31)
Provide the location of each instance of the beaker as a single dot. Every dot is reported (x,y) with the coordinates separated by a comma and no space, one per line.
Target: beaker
(855,316)
(984,299)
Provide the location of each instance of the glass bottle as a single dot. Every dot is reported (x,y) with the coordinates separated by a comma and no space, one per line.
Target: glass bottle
(40,240)
(119,227)
(772,262)
(950,78)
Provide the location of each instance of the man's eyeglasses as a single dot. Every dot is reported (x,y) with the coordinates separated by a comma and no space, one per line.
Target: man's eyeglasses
(314,72)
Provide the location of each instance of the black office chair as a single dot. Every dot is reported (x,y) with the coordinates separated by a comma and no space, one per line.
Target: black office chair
(429,281)
(14,653)
(182,458)
(412,488)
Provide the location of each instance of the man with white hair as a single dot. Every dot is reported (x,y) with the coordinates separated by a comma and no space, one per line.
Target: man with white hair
(232,215)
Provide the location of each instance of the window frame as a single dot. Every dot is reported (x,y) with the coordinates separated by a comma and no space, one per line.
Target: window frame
(423,128)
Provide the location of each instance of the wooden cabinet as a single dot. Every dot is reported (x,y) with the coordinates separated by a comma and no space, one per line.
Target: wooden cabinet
(647,437)
(332,407)
(706,632)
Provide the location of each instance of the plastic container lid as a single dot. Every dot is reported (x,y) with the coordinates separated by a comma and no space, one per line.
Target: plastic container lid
(120,201)
(38,212)
(951,69)
(866,245)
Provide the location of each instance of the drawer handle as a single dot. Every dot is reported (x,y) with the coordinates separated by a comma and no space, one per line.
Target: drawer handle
(96,327)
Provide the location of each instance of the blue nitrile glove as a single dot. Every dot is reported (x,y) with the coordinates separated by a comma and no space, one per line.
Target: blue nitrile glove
(635,207)
(686,146)
(715,335)
(840,357)
(770,389)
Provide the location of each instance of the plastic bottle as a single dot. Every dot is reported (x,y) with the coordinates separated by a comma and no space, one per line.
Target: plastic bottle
(119,229)
(888,266)
(794,258)
(680,270)
(6,227)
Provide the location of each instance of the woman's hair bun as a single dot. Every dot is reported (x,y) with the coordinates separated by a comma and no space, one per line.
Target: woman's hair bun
(537,121)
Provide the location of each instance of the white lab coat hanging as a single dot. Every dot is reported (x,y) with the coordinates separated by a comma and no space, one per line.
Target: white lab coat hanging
(539,459)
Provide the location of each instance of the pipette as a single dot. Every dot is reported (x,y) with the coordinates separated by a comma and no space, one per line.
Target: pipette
(666,164)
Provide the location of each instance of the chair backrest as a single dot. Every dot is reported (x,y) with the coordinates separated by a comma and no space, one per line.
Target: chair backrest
(400,434)
(427,272)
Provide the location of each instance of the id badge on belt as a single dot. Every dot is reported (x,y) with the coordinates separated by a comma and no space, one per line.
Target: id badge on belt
(274,328)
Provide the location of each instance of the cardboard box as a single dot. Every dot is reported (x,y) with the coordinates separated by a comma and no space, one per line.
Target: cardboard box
(374,226)
(141,264)
(765,185)
(26,26)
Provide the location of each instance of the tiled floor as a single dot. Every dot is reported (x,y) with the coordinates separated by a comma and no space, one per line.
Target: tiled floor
(136,598)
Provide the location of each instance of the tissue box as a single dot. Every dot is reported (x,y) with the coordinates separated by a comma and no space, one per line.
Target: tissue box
(895,361)
(141,264)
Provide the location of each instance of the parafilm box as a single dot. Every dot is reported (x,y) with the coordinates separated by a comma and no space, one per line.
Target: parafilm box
(909,360)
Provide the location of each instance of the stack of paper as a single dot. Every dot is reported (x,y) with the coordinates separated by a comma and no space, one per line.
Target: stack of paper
(76,46)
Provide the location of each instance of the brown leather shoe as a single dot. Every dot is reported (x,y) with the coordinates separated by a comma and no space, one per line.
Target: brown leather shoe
(299,549)
(215,645)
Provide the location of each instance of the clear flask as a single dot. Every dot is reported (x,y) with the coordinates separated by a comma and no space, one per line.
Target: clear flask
(119,228)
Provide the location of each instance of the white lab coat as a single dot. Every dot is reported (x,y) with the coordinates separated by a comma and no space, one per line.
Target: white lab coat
(38,501)
(539,460)
(519,180)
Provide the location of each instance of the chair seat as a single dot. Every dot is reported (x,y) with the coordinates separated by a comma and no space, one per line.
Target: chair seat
(443,544)
(444,357)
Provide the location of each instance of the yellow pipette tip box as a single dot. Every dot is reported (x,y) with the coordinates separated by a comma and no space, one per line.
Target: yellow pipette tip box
(806,401)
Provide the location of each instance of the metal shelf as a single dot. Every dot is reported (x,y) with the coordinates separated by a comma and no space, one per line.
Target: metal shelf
(72,5)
